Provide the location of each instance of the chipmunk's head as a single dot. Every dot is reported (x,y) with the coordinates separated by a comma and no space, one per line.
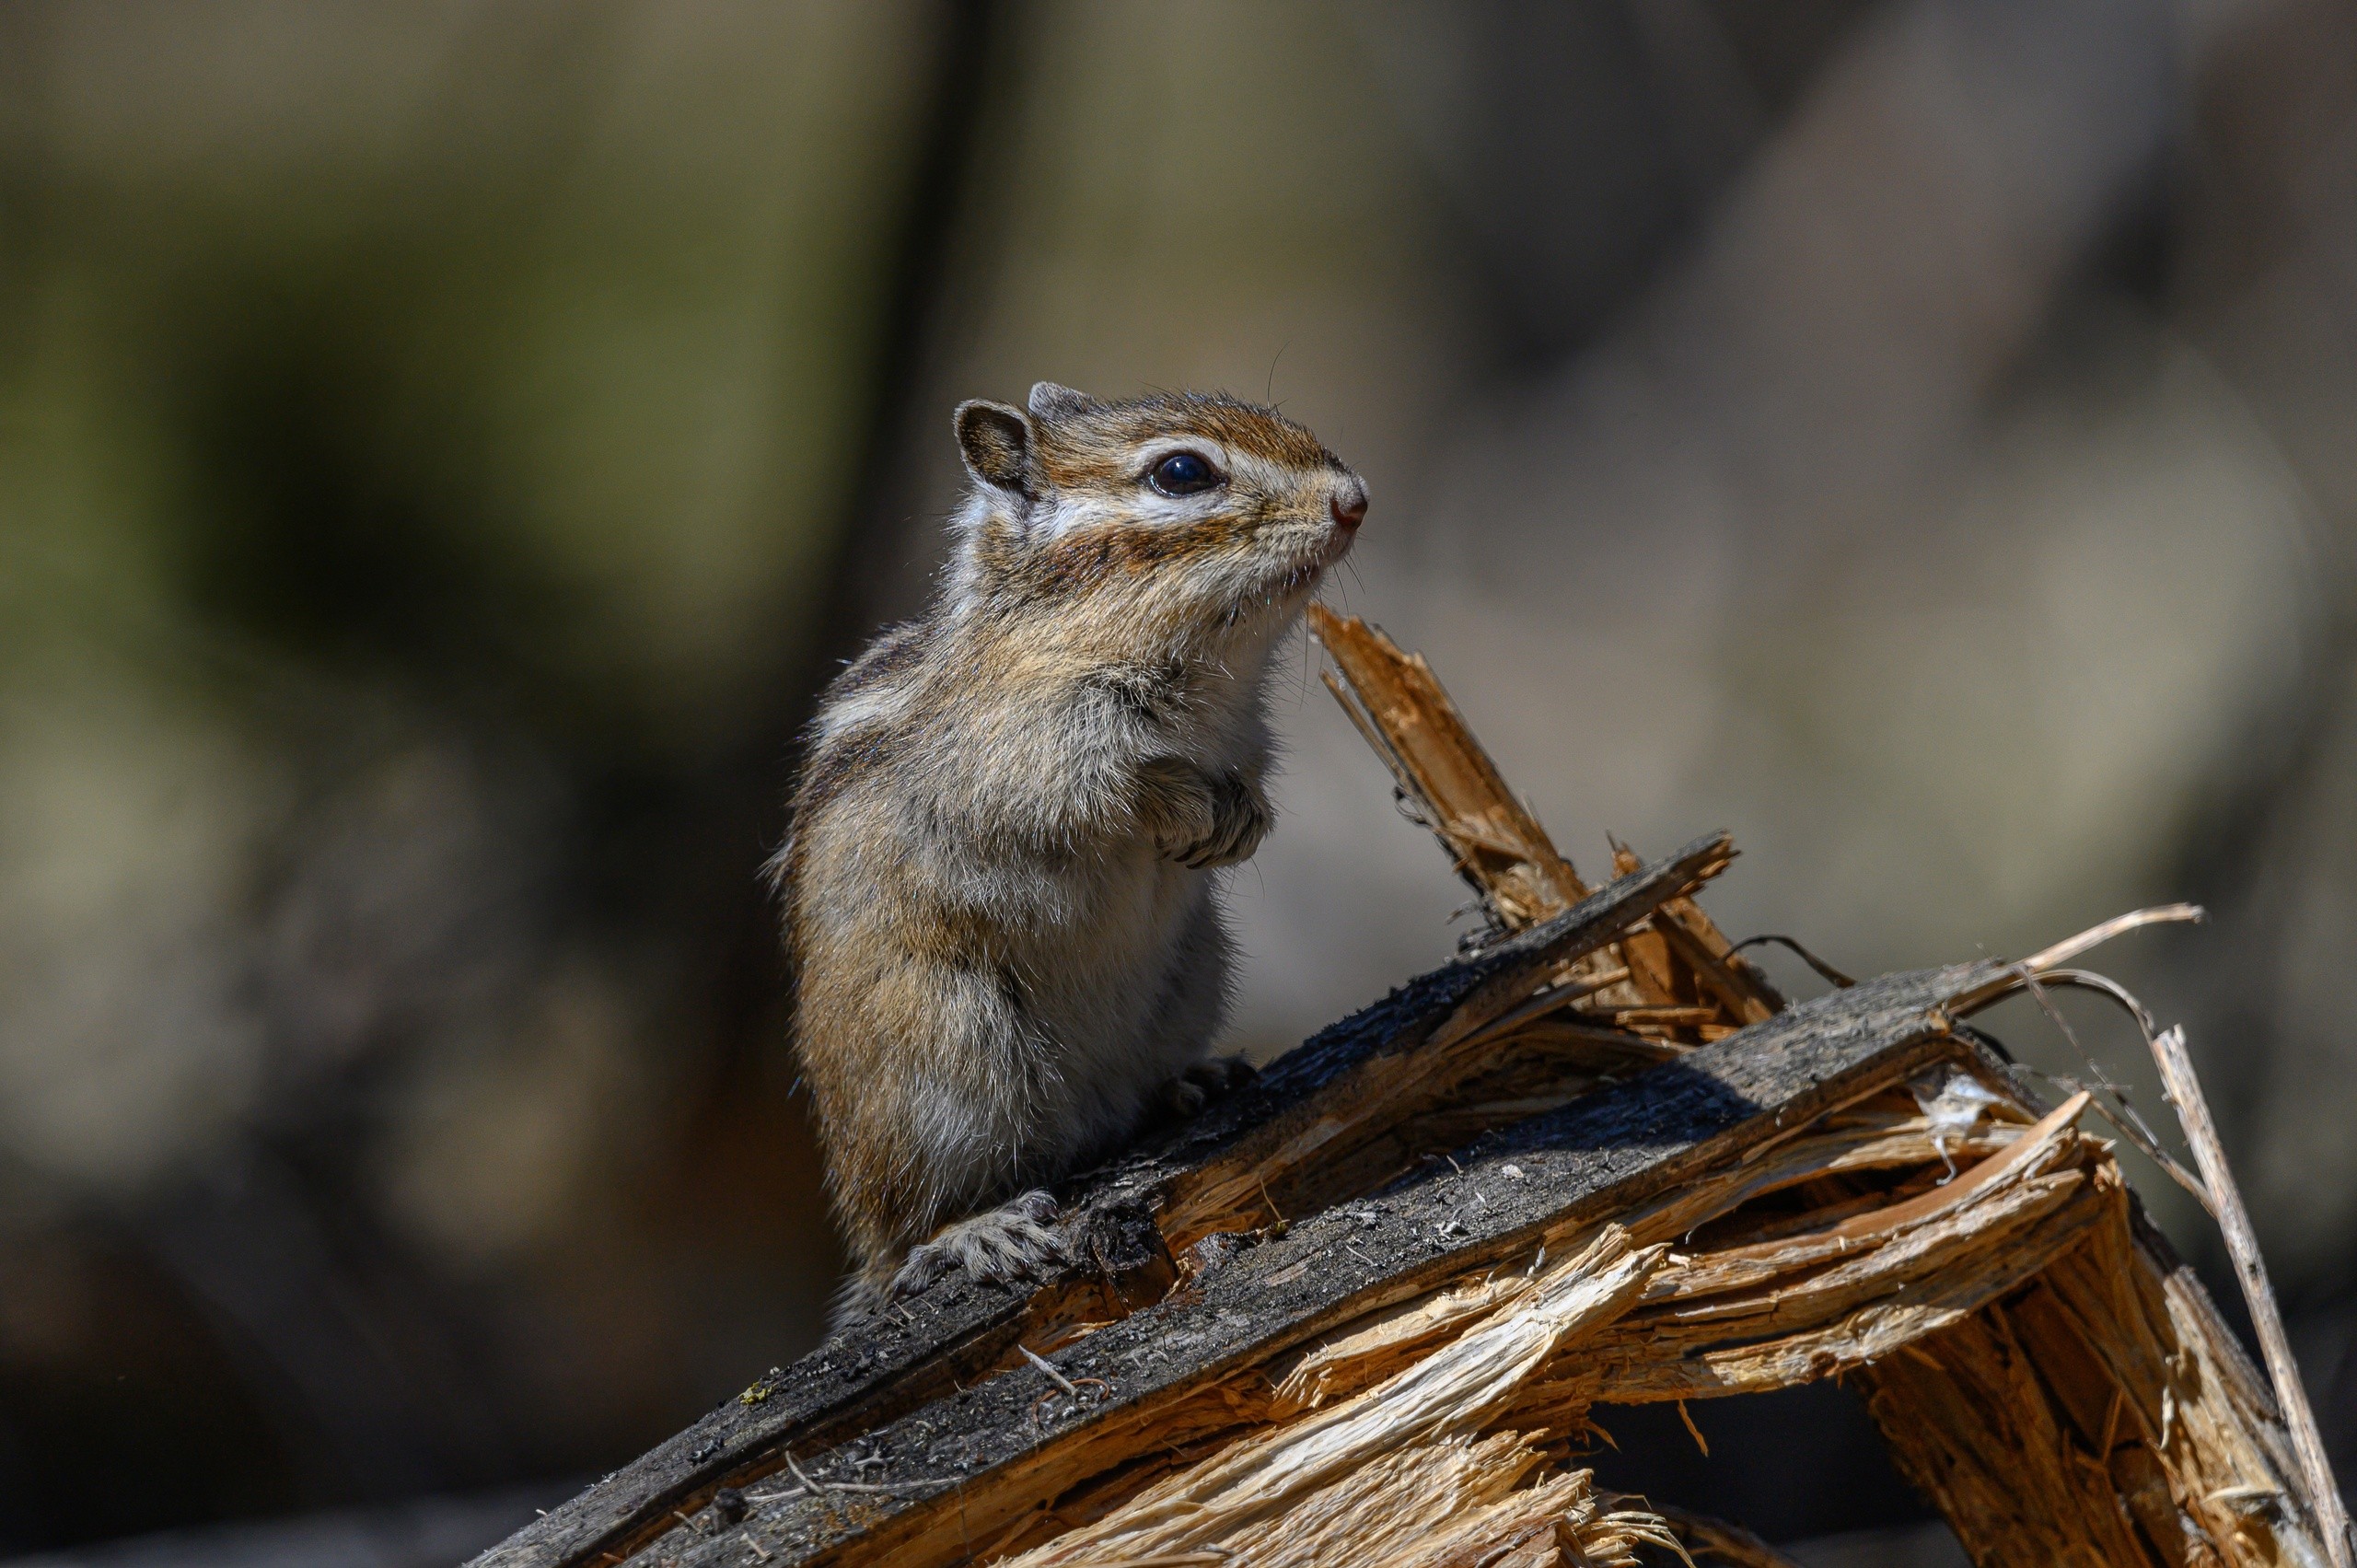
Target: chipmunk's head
(1186,511)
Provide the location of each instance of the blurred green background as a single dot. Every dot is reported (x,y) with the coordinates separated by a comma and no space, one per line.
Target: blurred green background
(443,445)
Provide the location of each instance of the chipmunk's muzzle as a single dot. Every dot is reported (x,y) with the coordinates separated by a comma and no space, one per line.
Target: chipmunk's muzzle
(1347,504)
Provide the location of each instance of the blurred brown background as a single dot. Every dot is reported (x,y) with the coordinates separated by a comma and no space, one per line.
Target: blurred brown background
(443,445)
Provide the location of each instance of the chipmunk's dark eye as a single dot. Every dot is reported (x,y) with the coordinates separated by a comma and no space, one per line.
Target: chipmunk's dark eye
(1183,473)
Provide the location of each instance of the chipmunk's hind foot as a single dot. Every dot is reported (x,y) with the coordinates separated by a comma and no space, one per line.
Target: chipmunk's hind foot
(1214,1078)
(1016,1241)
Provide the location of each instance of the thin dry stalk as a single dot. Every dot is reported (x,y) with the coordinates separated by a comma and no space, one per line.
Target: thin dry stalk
(2094,937)
(2184,1088)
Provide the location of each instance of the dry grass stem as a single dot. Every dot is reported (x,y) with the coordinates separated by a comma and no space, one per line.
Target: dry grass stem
(2184,1088)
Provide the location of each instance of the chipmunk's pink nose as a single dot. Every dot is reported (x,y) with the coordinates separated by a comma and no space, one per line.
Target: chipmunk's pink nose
(1348,502)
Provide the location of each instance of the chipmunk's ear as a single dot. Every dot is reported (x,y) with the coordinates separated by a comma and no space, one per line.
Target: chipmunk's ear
(996,441)
(1048,401)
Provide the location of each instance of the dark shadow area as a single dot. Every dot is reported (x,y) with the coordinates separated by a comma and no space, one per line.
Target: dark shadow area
(1794,1464)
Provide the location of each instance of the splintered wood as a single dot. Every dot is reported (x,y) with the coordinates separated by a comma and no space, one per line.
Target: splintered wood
(1676,981)
(1444,776)
(1362,1312)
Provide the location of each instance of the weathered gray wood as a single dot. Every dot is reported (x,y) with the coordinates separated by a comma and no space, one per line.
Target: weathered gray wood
(915,1355)
(920,1488)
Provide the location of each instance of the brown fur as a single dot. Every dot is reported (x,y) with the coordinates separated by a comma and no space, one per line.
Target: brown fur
(998,899)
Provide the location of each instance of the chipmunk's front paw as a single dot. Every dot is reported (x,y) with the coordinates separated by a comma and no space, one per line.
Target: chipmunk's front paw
(1240,820)
(1206,1081)
(1014,1242)
(1198,820)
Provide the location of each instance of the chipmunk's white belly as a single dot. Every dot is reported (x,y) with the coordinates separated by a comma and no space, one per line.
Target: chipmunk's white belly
(1097,966)
(1117,983)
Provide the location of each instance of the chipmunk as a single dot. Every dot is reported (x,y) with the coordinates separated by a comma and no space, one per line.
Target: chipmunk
(997,887)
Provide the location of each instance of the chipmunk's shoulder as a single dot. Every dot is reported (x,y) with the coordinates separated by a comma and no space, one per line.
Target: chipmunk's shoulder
(876,682)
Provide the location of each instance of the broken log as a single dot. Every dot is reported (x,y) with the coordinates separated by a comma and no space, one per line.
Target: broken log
(1362,1311)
